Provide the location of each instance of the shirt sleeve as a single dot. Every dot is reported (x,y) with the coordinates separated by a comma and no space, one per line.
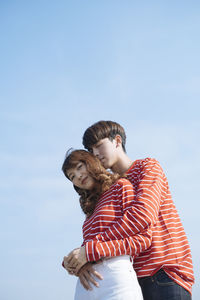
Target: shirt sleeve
(132,245)
(128,236)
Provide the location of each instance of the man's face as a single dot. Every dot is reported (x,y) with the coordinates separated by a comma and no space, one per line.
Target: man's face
(106,151)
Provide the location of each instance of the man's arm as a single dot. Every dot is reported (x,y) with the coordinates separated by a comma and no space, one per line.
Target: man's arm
(140,214)
(118,239)
(132,245)
(75,264)
(128,246)
(139,217)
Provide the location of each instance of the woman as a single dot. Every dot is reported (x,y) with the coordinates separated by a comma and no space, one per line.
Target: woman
(105,200)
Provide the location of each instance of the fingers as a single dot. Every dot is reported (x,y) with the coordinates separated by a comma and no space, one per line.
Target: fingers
(78,267)
(86,276)
(70,262)
(88,267)
(84,282)
(65,261)
(89,278)
(71,271)
(69,258)
(74,266)
(96,274)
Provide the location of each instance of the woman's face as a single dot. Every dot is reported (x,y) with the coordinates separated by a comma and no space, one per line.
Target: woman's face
(80,177)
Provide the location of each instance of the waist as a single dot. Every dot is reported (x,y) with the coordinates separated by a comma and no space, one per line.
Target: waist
(123,259)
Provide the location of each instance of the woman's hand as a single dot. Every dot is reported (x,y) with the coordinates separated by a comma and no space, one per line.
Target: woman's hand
(75,260)
(88,275)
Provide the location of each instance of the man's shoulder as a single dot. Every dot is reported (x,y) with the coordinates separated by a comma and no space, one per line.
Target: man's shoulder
(140,164)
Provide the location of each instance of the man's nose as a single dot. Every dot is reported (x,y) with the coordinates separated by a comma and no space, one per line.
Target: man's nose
(95,152)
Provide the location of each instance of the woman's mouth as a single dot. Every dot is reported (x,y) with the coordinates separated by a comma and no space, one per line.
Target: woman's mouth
(84,180)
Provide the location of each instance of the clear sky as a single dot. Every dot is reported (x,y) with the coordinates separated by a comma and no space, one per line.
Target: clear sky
(63,66)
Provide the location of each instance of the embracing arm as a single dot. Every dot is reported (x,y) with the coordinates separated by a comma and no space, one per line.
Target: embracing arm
(132,245)
(132,233)
(140,213)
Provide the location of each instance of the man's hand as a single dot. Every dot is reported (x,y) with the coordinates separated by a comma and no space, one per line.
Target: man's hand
(86,275)
(75,260)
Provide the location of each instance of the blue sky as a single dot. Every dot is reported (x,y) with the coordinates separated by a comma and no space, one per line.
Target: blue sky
(63,66)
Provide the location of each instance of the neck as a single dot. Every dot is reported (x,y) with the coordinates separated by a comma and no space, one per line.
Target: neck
(122,165)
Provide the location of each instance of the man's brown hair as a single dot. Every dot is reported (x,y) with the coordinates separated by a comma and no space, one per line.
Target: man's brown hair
(101,130)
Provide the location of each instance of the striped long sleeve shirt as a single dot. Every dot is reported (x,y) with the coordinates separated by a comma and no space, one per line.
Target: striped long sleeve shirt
(108,231)
(151,218)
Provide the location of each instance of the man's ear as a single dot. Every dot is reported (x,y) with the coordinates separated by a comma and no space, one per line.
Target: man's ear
(118,140)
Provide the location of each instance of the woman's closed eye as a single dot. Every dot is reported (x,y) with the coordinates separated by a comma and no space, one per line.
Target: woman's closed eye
(79,166)
(71,176)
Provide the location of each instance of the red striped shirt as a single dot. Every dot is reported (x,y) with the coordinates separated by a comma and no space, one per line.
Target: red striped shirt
(154,207)
(108,232)
(149,227)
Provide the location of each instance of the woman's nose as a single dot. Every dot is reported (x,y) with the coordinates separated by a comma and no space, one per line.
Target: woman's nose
(80,175)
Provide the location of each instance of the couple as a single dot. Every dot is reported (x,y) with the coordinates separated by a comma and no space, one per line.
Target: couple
(130,215)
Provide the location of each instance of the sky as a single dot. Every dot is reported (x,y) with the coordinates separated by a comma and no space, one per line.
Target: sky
(65,65)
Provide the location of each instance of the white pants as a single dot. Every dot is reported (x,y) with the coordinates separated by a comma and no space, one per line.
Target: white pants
(119,281)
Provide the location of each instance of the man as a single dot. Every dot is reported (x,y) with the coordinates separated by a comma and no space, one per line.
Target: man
(165,269)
